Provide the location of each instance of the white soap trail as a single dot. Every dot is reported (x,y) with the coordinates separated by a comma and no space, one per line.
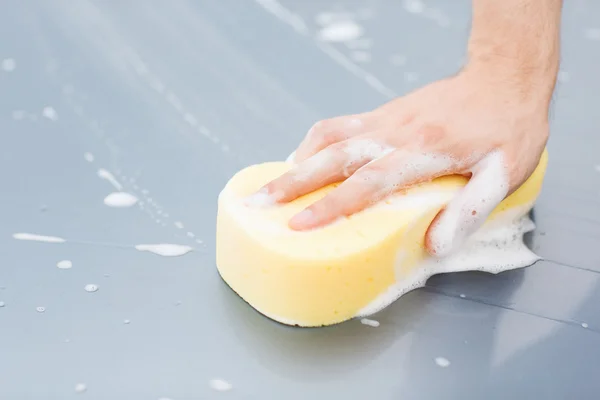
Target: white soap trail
(341,31)
(165,249)
(220,385)
(9,64)
(50,113)
(120,199)
(369,322)
(442,362)
(38,238)
(89,157)
(104,174)
(64,264)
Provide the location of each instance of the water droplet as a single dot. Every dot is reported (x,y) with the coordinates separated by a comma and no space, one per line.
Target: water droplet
(126,321)
(220,385)
(442,362)
(40,309)
(120,199)
(2,304)
(64,264)
(191,234)
(584,325)
(91,288)
(80,387)
(462,295)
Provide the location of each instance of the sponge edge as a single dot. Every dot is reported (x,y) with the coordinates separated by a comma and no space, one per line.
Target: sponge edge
(357,265)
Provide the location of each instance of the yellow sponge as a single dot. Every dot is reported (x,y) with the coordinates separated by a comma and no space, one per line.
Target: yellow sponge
(350,268)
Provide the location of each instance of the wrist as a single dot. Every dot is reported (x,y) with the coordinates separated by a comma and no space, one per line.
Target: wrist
(530,73)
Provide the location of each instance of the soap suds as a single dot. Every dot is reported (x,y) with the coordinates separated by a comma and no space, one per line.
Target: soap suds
(369,322)
(178,225)
(38,238)
(220,385)
(64,264)
(89,157)
(2,304)
(50,113)
(584,325)
(341,31)
(9,64)
(90,287)
(40,309)
(120,199)
(106,175)
(165,249)
(496,247)
(442,362)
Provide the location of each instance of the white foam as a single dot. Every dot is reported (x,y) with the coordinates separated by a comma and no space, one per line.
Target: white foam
(584,325)
(50,113)
(496,247)
(106,175)
(165,249)
(442,362)
(120,199)
(9,64)
(89,157)
(178,224)
(369,322)
(40,309)
(64,264)
(220,385)
(38,238)
(2,304)
(341,31)
(90,287)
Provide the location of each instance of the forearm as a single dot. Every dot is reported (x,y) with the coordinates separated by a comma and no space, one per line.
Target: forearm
(517,40)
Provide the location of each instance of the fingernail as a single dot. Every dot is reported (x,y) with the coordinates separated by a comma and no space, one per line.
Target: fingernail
(303,219)
(262,198)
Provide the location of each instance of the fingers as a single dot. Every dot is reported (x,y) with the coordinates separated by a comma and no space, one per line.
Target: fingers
(369,184)
(330,165)
(471,207)
(327,132)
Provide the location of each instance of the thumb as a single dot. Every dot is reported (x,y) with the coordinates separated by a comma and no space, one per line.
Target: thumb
(471,207)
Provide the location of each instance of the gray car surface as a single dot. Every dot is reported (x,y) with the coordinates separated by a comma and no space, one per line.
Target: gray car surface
(167,100)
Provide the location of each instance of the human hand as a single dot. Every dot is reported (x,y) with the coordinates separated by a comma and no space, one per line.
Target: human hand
(488,127)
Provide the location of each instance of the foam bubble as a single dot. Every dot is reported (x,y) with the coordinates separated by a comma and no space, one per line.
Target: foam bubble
(442,362)
(120,199)
(38,238)
(584,325)
(89,157)
(64,264)
(220,385)
(341,31)
(90,287)
(80,387)
(40,309)
(369,322)
(164,249)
